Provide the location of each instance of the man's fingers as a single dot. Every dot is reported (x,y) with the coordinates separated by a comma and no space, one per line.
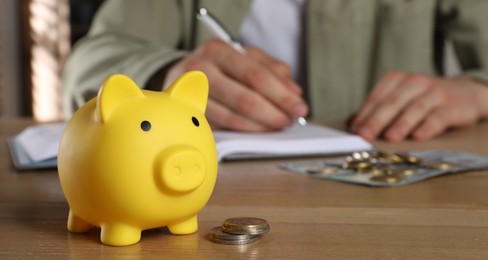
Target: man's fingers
(244,101)
(255,76)
(386,85)
(413,114)
(433,125)
(220,117)
(394,104)
(280,69)
(245,94)
(444,117)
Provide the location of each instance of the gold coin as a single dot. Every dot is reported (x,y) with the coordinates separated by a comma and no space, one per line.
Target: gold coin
(407,172)
(362,165)
(386,178)
(246,225)
(323,170)
(409,159)
(390,157)
(382,154)
(356,165)
(439,165)
(372,171)
(395,158)
(216,235)
(412,159)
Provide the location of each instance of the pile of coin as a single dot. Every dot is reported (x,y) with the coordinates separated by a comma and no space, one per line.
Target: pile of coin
(239,231)
(381,166)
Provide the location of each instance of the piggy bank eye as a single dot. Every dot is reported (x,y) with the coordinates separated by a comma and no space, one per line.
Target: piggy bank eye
(145,125)
(195,121)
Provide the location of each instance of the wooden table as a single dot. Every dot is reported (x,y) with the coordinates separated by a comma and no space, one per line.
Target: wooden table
(444,217)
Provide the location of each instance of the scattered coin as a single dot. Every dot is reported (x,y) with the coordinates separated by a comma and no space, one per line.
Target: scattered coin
(395,158)
(359,156)
(382,166)
(324,170)
(439,165)
(372,171)
(390,157)
(377,171)
(410,159)
(355,165)
(407,172)
(386,178)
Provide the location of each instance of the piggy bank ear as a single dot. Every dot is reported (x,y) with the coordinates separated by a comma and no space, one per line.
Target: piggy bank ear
(114,90)
(191,87)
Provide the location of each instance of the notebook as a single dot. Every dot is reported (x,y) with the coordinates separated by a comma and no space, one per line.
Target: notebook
(36,147)
(295,141)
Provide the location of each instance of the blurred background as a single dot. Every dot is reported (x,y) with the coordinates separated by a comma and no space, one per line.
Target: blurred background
(36,36)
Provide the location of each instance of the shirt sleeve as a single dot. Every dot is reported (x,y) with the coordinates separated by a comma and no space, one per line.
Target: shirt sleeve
(135,38)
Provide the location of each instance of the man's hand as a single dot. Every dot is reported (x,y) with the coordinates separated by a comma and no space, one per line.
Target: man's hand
(248,92)
(406,105)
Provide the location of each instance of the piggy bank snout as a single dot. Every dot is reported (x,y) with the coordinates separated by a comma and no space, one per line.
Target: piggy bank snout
(182,168)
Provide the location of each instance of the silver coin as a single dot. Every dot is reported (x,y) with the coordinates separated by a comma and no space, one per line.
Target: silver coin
(217,232)
(216,235)
(234,242)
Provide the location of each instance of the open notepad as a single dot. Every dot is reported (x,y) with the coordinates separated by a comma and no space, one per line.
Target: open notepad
(295,141)
(37,146)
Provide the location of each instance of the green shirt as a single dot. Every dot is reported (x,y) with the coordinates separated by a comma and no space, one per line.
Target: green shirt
(349,44)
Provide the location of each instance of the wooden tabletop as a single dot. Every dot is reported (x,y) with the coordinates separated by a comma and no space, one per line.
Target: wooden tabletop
(444,217)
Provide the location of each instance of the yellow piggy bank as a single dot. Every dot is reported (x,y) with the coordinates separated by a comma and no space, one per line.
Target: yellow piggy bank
(133,159)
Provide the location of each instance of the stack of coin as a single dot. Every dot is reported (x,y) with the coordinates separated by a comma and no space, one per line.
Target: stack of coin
(239,231)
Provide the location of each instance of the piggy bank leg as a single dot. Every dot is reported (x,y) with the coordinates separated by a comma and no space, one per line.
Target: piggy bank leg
(187,226)
(120,234)
(76,224)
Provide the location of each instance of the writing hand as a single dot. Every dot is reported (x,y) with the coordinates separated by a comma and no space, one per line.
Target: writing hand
(248,92)
(419,106)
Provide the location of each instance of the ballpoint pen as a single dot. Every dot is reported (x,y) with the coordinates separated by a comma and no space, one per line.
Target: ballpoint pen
(218,29)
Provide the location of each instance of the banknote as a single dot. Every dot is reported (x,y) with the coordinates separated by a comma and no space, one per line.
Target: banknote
(384,169)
